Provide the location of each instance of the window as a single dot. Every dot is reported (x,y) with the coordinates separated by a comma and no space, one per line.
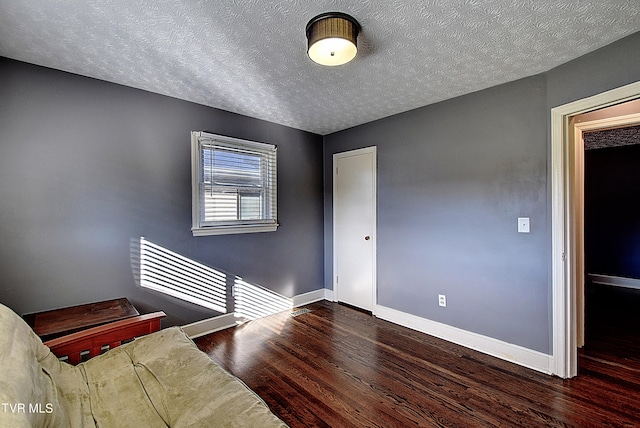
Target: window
(234,185)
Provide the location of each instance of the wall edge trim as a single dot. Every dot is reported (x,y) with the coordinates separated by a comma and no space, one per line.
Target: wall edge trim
(616,281)
(510,352)
(221,322)
(210,325)
(517,354)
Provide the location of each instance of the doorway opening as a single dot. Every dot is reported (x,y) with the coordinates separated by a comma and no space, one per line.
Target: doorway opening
(612,243)
(568,262)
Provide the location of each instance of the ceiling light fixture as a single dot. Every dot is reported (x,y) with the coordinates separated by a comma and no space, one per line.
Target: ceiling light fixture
(332,38)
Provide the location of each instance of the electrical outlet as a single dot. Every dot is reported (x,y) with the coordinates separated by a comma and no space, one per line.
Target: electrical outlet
(442,300)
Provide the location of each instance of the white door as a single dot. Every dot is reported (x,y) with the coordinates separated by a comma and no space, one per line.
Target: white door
(354,227)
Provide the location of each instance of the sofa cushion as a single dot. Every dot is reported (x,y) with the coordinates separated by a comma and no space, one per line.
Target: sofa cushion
(72,391)
(31,378)
(189,390)
(118,398)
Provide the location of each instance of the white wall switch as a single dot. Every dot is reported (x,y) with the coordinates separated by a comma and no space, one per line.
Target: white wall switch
(523,225)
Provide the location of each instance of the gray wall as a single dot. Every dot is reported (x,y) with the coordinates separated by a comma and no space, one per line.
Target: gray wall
(453,178)
(615,65)
(87,167)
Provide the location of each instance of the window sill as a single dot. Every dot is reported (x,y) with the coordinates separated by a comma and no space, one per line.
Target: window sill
(230,230)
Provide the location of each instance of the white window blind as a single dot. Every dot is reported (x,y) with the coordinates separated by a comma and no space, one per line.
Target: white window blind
(234,185)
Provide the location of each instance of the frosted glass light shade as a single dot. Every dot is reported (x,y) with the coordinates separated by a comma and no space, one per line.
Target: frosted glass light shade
(332,51)
(332,38)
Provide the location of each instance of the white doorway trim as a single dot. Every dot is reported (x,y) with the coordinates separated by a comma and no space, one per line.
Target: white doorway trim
(566,200)
(373,237)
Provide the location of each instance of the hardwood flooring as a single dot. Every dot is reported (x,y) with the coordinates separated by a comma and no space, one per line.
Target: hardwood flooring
(612,324)
(338,367)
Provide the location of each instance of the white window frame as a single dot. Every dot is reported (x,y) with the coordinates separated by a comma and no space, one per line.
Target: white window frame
(200,227)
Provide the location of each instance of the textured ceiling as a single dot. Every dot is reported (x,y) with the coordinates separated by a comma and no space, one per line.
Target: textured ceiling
(249,56)
(616,137)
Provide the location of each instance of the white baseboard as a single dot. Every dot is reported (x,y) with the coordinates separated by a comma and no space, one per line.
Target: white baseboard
(616,281)
(211,325)
(310,297)
(329,295)
(506,351)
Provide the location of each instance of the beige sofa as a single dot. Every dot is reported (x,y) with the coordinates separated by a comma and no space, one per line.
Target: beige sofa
(158,380)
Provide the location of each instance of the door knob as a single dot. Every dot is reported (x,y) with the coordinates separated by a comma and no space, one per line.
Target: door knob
(366,238)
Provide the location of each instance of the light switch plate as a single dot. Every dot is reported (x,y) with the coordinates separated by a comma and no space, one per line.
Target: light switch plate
(523,225)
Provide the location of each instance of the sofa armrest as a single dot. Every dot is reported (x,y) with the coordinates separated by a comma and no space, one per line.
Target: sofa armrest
(107,336)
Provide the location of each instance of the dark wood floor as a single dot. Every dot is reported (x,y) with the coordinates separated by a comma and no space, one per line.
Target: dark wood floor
(612,326)
(337,367)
